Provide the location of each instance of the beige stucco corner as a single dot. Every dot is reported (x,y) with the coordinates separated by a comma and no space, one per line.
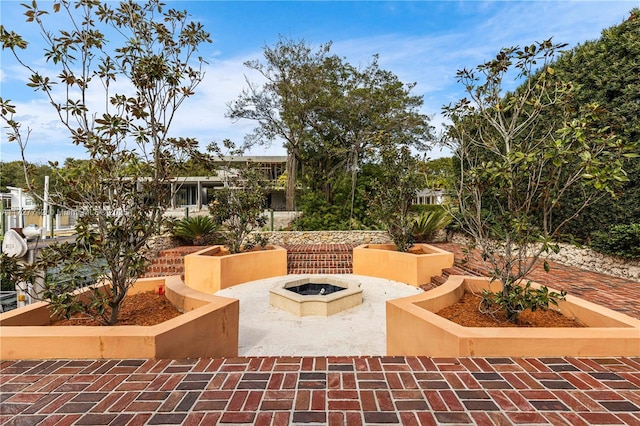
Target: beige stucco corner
(208,273)
(413,328)
(208,328)
(384,261)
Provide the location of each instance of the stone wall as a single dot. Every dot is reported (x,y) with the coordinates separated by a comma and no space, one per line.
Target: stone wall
(585,258)
(327,237)
(597,262)
(160,242)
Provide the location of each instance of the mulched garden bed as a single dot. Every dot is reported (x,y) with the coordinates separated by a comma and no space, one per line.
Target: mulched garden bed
(466,313)
(147,308)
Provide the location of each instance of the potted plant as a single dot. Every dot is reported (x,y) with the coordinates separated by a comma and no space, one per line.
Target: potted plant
(238,209)
(394,190)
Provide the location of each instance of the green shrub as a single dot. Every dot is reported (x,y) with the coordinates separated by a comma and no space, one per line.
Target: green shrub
(518,299)
(198,230)
(320,215)
(9,270)
(621,240)
(425,208)
(428,223)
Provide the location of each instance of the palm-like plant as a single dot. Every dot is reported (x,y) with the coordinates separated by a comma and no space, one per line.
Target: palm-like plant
(196,229)
(427,224)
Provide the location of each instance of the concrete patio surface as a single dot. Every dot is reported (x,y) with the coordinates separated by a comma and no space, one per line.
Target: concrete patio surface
(269,331)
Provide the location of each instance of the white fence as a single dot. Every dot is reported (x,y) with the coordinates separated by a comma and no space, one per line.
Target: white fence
(60,222)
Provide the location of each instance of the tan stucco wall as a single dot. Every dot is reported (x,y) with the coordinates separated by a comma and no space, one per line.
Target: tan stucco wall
(208,329)
(383,261)
(209,274)
(414,329)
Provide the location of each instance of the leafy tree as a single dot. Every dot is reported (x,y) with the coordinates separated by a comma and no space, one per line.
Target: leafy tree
(319,214)
(282,106)
(13,174)
(146,69)
(438,172)
(365,104)
(329,113)
(239,205)
(512,177)
(395,189)
(605,71)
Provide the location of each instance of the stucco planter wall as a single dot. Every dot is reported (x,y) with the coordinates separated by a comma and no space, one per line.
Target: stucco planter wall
(208,328)
(413,328)
(383,261)
(208,273)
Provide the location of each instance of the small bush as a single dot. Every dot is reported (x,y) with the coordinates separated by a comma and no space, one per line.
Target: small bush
(425,208)
(518,299)
(621,240)
(198,230)
(428,223)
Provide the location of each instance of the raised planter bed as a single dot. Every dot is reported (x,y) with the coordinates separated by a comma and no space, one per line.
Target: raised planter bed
(210,270)
(413,328)
(384,261)
(208,328)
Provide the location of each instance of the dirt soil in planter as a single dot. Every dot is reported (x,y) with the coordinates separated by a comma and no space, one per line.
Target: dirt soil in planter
(466,313)
(418,250)
(225,251)
(147,308)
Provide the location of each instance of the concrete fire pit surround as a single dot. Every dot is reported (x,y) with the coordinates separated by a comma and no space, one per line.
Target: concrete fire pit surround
(414,328)
(320,305)
(207,328)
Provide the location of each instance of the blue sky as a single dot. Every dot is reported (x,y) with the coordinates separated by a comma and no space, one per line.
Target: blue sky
(420,41)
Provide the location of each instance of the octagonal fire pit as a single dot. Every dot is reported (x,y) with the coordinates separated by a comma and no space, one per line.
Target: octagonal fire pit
(316,295)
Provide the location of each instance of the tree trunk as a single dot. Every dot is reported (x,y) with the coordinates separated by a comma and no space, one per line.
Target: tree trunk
(290,191)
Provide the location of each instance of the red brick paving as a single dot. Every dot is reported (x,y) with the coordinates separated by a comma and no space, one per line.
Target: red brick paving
(339,390)
(325,390)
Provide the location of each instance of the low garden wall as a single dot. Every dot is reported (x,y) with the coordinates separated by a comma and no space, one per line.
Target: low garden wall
(414,328)
(588,259)
(597,262)
(207,328)
(327,237)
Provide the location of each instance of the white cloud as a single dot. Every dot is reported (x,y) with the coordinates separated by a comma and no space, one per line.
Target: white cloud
(430,59)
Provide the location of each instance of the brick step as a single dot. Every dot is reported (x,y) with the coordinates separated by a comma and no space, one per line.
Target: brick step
(319,248)
(312,270)
(312,257)
(179,251)
(441,279)
(163,270)
(319,258)
(454,270)
(166,260)
(320,264)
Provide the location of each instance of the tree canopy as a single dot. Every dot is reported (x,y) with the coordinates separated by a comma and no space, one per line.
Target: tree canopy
(605,71)
(329,113)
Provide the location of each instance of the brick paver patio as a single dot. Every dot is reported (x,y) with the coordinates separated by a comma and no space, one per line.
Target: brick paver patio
(338,390)
(334,391)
